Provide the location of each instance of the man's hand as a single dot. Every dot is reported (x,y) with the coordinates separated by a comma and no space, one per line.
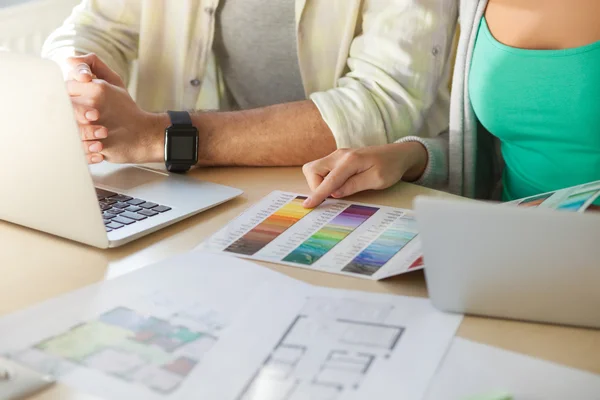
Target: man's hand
(111,125)
(131,134)
(348,171)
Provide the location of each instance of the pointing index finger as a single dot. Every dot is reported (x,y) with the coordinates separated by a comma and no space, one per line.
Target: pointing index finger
(332,182)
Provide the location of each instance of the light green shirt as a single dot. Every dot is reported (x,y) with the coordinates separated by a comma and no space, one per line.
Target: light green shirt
(544,107)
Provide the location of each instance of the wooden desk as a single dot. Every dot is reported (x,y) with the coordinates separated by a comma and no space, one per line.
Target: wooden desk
(36,266)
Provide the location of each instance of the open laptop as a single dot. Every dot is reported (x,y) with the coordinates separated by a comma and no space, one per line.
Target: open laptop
(46,183)
(510,262)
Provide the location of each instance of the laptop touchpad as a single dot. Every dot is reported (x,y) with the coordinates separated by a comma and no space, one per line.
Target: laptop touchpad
(124,178)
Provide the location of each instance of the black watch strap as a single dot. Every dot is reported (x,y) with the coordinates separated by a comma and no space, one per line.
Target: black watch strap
(178,168)
(180,118)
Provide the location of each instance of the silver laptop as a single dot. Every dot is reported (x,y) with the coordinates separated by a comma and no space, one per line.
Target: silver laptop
(45,180)
(510,262)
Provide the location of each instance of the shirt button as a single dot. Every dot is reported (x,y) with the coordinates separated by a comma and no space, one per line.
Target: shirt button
(435,51)
(195,82)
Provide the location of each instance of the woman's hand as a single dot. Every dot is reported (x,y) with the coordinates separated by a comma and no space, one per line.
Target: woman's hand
(348,171)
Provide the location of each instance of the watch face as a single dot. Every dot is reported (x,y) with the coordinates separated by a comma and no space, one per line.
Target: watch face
(182,148)
(182,145)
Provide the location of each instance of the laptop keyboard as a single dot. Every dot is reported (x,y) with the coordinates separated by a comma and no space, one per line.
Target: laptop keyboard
(119,210)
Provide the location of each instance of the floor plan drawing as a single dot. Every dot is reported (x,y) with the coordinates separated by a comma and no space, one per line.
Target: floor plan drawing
(137,348)
(325,352)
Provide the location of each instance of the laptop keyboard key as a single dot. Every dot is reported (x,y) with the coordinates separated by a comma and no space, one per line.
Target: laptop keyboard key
(121,197)
(122,220)
(161,209)
(148,213)
(148,205)
(108,201)
(115,211)
(108,229)
(106,221)
(114,225)
(104,207)
(133,216)
(107,215)
(120,205)
(103,194)
(133,209)
(136,202)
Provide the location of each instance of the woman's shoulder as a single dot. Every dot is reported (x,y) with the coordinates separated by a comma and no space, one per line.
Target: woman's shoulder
(468,10)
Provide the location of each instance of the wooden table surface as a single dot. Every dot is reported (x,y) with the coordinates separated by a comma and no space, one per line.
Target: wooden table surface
(35,266)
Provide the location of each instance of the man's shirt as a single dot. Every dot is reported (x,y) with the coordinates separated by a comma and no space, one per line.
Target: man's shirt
(377,70)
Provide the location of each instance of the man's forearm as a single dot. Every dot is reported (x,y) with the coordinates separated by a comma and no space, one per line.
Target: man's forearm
(281,135)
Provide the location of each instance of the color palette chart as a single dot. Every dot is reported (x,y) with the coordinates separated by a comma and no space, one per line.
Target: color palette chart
(535,201)
(362,240)
(330,235)
(386,246)
(582,198)
(270,228)
(576,201)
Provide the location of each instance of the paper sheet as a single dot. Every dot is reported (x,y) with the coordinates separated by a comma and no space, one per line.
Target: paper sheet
(214,327)
(472,369)
(138,336)
(332,345)
(366,241)
(581,198)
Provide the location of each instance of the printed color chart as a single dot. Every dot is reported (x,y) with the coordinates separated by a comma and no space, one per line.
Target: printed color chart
(268,230)
(594,207)
(386,246)
(575,201)
(362,240)
(535,201)
(331,234)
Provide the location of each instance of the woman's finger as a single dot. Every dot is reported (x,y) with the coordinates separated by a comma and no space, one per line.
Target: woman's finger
(355,184)
(332,182)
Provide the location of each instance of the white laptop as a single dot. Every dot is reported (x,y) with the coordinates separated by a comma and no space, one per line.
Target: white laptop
(511,262)
(45,180)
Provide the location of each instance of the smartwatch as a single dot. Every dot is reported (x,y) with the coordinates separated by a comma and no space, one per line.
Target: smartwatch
(181,142)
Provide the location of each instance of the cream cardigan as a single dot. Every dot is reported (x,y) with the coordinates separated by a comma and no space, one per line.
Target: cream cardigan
(376,69)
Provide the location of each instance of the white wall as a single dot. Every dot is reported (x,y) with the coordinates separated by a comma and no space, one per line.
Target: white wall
(25,26)
(7,3)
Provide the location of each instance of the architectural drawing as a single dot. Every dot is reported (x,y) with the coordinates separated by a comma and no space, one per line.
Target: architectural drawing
(328,349)
(158,353)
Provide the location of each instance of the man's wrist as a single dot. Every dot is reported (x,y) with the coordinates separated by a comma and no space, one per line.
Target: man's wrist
(158,124)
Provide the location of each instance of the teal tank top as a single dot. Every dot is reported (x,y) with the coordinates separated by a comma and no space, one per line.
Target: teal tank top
(544,107)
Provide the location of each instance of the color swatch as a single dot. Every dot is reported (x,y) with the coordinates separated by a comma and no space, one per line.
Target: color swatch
(575,201)
(419,262)
(535,201)
(386,246)
(265,232)
(330,235)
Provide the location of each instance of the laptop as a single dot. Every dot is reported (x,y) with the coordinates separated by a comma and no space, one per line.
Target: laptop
(511,262)
(47,184)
